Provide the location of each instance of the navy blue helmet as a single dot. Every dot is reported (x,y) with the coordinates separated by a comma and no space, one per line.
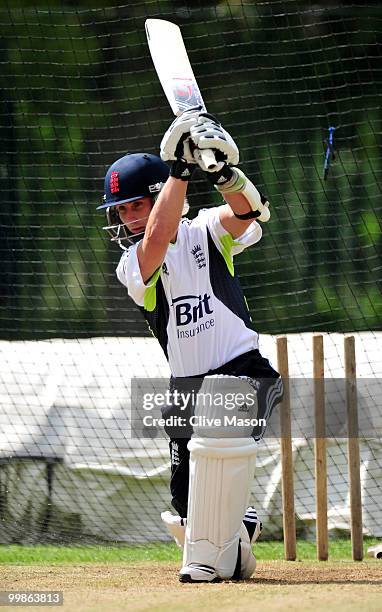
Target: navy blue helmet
(134,176)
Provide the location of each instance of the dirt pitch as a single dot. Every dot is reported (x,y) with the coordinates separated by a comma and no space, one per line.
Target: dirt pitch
(277,586)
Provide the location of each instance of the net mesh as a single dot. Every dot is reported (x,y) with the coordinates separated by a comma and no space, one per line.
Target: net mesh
(78,90)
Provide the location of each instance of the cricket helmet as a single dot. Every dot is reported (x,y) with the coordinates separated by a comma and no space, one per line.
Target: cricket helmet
(132,177)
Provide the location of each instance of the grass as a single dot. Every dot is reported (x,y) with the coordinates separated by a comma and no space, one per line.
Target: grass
(339,550)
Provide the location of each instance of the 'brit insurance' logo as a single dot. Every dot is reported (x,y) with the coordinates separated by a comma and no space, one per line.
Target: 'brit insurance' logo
(190,312)
(191,309)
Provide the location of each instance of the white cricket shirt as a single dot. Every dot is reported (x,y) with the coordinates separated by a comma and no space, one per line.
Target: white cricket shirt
(194,303)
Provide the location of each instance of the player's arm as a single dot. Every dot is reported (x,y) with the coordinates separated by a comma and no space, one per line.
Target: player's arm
(245,202)
(236,204)
(164,219)
(162,226)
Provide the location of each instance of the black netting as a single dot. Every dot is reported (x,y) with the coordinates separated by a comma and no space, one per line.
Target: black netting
(77,91)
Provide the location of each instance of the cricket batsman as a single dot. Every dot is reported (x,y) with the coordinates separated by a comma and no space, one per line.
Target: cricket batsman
(181,275)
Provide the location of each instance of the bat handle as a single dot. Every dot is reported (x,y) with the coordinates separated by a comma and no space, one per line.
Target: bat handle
(209,159)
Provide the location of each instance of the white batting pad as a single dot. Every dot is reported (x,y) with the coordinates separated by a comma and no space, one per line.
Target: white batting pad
(176,527)
(221,471)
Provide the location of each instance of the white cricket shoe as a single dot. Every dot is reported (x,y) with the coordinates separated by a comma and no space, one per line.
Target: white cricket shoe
(195,572)
(249,532)
(375,551)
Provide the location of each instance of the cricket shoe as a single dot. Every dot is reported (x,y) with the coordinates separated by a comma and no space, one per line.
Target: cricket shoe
(196,572)
(375,551)
(246,564)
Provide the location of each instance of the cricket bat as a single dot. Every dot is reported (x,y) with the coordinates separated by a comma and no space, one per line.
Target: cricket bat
(174,71)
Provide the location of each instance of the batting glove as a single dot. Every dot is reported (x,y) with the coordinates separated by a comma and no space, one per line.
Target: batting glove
(176,145)
(208,133)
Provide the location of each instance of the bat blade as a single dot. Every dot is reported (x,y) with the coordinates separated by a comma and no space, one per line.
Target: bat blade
(172,65)
(177,78)
(175,73)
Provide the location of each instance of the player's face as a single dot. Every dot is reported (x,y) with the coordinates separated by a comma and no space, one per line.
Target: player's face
(135,214)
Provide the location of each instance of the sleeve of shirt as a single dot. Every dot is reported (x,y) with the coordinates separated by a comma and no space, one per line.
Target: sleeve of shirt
(129,274)
(223,239)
